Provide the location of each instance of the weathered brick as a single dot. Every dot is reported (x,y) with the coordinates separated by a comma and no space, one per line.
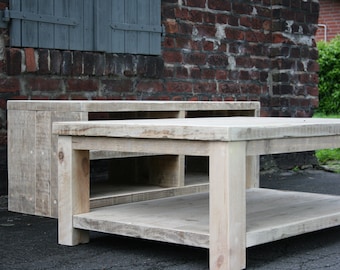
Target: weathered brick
(31,65)
(171,26)
(241,8)
(208,74)
(313,66)
(109,64)
(220,5)
(245,21)
(82,84)
(77,63)
(209,17)
(196,16)
(204,87)
(88,63)
(221,74)
(169,42)
(185,28)
(154,67)
(13,60)
(312,90)
(206,30)
(66,66)
(181,72)
(172,57)
(229,88)
(169,72)
(56,62)
(233,20)
(150,86)
(180,13)
(234,34)
(43,61)
(40,83)
(9,85)
(218,60)
(184,42)
(196,3)
(195,58)
(116,86)
(195,73)
(208,45)
(221,18)
(179,87)
(99,64)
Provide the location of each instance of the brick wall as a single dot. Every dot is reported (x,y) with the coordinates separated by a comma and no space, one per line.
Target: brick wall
(213,50)
(330,19)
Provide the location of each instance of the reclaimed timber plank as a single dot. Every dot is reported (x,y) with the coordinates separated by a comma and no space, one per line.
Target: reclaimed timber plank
(270,217)
(73,191)
(43,160)
(214,128)
(21,161)
(227,205)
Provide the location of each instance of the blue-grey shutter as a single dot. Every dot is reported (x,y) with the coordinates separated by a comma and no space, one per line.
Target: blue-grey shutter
(128,26)
(58,24)
(113,26)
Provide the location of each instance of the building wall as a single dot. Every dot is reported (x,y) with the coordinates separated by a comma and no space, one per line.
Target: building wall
(329,20)
(259,50)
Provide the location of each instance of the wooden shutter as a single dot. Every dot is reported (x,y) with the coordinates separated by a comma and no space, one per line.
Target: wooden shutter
(114,26)
(58,24)
(128,26)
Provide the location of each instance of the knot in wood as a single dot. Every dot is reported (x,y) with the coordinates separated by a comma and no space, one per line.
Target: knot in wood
(61,155)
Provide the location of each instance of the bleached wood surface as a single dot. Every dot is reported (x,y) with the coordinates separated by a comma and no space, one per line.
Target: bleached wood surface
(271,215)
(210,129)
(33,148)
(131,105)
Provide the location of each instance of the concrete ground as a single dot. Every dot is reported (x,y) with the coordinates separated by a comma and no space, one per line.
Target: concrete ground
(30,242)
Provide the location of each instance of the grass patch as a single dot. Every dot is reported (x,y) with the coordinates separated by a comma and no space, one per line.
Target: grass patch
(328,157)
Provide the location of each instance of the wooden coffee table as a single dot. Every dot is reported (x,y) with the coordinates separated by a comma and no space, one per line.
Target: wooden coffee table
(227,219)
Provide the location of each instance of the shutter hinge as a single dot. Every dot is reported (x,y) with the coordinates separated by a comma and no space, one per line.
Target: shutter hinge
(6,15)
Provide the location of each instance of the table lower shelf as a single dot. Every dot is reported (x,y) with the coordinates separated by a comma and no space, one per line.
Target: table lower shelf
(106,194)
(271,215)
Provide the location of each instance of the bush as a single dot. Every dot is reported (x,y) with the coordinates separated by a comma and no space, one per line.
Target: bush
(329,76)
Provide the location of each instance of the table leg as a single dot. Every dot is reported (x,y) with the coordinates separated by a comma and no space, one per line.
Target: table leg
(227,205)
(253,172)
(73,191)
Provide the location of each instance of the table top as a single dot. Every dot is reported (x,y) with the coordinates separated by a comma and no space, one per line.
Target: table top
(211,129)
(129,105)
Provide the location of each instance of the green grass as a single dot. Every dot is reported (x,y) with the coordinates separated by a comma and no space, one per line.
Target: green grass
(329,157)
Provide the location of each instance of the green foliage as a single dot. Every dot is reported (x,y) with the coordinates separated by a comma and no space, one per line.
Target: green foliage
(327,155)
(329,76)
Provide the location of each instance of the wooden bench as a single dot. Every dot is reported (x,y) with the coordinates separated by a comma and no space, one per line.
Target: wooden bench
(227,219)
(32,151)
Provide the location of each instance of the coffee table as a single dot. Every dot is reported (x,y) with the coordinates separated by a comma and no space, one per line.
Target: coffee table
(227,219)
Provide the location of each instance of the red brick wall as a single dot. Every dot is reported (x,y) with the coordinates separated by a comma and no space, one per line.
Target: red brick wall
(213,50)
(330,19)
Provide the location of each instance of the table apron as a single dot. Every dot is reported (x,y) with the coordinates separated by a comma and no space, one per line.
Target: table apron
(154,146)
(290,145)
(201,148)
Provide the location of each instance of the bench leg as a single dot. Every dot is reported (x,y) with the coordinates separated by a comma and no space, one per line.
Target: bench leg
(73,191)
(227,206)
